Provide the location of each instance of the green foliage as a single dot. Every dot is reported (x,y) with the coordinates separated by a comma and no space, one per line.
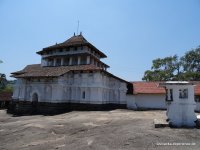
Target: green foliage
(162,69)
(191,64)
(8,88)
(3,81)
(172,68)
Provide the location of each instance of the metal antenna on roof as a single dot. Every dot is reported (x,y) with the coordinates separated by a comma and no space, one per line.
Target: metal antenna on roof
(77,27)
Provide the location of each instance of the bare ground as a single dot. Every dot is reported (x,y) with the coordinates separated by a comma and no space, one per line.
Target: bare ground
(100,130)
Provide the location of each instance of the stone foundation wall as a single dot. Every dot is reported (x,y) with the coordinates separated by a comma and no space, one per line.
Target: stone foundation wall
(26,107)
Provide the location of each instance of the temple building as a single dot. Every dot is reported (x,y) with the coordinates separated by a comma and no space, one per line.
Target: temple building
(71,75)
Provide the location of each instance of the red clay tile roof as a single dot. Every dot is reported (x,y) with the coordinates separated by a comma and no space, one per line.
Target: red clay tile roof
(37,71)
(141,87)
(147,88)
(73,41)
(197,89)
(6,96)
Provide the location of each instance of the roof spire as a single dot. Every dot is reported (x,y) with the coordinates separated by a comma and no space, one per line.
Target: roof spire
(81,33)
(77,27)
(74,34)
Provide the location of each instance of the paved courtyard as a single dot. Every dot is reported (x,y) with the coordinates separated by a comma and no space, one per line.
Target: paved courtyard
(101,130)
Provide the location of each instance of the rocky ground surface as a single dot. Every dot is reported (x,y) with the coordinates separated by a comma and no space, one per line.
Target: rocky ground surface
(88,130)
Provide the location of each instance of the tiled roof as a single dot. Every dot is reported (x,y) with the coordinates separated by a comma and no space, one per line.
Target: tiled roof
(197,88)
(147,88)
(5,96)
(141,87)
(37,71)
(73,41)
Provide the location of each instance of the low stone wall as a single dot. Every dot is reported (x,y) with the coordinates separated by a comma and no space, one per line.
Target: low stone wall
(26,107)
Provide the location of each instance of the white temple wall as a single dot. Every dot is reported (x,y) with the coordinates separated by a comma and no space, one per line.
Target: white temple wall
(42,90)
(19,89)
(23,90)
(94,88)
(57,93)
(98,88)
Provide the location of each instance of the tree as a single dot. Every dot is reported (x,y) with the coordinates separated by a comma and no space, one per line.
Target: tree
(191,64)
(163,69)
(171,68)
(3,81)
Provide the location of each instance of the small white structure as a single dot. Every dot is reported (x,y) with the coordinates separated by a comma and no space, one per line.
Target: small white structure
(146,95)
(180,103)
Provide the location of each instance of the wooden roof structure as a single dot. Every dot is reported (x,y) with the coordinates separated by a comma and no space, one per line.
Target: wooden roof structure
(36,70)
(76,40)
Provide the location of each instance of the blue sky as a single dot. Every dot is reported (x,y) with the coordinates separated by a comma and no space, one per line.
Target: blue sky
(130,32)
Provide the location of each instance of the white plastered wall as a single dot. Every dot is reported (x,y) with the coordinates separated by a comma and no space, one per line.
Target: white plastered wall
(146,101)
(99,88)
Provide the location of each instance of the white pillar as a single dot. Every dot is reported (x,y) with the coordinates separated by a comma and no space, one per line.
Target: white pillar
(88,59)
(79,60)
(70,60)
(54,62)
(62,61)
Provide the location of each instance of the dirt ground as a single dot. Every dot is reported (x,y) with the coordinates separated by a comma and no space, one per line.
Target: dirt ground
(100,130)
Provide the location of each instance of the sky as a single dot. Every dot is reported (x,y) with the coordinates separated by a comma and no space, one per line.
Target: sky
(130,32)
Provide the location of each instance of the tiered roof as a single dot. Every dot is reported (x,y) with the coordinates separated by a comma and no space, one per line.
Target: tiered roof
(37,70)
(76,40)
